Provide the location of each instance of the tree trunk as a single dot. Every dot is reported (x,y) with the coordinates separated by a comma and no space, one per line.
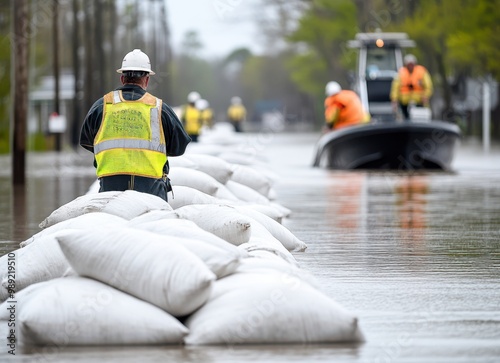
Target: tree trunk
(55,54)
(77,107)
(20,76)
(89,72)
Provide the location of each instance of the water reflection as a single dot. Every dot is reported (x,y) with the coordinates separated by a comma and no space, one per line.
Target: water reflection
(416,256)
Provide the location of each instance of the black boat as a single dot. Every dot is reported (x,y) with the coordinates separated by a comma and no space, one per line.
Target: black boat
(408,146)
(386,142)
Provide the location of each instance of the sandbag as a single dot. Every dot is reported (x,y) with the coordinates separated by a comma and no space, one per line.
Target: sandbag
(222,220)
(225,195)
(188,229)
(181,162)
(127,204)
(221,257)
(252,178)
(142,264)
(269,308)
(37,262)
(151,216)
(280,232)
(183,195)
(84,221)
(82,311)
(194,179)
(263,241)
(246,193)
(269,210)
(214,166)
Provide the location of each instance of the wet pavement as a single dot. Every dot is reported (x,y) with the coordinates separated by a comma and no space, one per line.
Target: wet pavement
(415,255)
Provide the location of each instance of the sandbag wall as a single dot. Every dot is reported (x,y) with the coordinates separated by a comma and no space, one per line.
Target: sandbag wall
(214,265)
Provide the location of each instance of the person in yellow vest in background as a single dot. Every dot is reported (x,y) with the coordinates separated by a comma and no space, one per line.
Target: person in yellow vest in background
(206,113)
(236,113)
(342,108)
(412,85)
(191,116)
(132,133)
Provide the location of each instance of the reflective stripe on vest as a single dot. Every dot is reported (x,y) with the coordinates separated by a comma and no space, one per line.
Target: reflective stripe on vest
(141,154)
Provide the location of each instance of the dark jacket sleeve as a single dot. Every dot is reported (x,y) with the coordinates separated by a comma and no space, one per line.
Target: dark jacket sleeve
(175,136)
(91,125)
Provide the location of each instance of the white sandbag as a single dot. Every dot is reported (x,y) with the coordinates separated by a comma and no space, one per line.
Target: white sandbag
(181,162)
(184,228)
(142,264)
(127,204)
(204,148)
(265,242)
(267,262)
(269,210)
(151,216)
(284,210)
(246,193)
(252,178)
(222,220)
(220,256)
(233,157)
(280,232)
(80,311)
(40,261)
(183,195)
(226,196)
(214,166)
(84,221)
(194,179)
(269,308)
(94,187)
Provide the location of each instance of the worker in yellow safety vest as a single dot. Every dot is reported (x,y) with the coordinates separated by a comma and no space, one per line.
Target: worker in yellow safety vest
(343,108)
(206,113)
(412,85)
(236,113)
(132,133)
(191,116)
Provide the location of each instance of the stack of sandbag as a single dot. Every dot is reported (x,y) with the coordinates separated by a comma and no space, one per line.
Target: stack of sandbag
(214,265)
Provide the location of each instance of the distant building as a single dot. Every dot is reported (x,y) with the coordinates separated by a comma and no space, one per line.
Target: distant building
(41,102)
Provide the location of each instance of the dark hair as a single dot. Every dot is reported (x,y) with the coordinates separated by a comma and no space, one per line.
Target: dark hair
(134,76)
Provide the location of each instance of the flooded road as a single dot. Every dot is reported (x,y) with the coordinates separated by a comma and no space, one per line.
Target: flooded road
(415,255)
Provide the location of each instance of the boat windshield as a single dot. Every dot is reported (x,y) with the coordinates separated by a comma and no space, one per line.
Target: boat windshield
(381,63)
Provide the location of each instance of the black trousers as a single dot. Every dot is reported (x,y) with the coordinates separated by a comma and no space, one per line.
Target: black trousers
(158,187)
(406,111)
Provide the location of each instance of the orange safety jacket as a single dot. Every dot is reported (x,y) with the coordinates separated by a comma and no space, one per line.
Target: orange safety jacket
(344,109)
(411,86)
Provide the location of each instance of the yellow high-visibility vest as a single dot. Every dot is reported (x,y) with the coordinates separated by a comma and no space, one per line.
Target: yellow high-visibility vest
(192,120)
(236,112)
(130,140)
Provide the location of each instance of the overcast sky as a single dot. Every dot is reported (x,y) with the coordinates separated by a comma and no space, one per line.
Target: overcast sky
(222,25)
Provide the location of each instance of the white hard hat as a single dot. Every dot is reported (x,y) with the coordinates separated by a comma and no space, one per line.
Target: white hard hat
(193,97)
(236,100)
(410,58)
(202,104)
(332,88)
(136,60)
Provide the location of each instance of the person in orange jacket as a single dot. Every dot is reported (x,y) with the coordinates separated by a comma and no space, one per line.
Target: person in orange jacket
(343,108)
(413,84)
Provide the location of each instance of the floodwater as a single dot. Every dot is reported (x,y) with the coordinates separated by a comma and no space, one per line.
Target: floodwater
(415,255)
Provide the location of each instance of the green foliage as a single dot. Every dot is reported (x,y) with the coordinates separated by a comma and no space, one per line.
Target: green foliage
(474,44)
(463,33)
(321,35)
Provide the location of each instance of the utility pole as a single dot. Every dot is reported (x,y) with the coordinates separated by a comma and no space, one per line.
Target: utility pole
(19,89)
(55,40)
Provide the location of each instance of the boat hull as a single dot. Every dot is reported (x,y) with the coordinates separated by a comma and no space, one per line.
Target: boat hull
(394,146)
